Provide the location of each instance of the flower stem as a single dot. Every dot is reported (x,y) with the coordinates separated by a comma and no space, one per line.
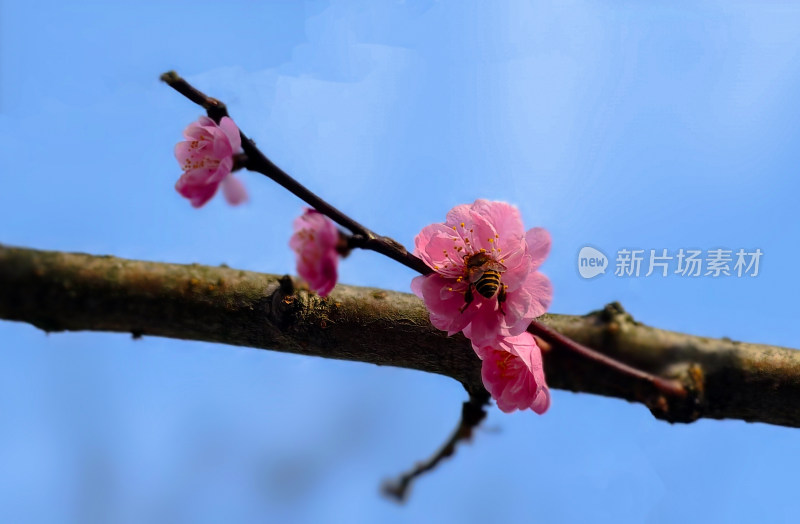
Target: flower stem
(665,386)
(255,160)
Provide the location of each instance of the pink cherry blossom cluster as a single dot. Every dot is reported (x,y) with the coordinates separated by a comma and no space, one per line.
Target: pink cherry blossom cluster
(485,280)
(206,157)
(486,284)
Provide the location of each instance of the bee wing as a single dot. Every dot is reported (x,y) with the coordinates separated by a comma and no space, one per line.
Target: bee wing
(475,274)
(497,266)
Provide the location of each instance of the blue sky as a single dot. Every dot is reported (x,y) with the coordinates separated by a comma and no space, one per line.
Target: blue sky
(659,125)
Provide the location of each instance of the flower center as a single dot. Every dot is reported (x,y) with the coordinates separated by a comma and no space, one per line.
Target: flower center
(506,367)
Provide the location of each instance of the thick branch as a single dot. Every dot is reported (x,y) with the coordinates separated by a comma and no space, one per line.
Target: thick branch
(61,291)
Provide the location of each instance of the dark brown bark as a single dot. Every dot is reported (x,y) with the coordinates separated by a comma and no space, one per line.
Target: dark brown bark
(64,291)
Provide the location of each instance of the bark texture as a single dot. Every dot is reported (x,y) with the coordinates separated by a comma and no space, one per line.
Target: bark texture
(58,291)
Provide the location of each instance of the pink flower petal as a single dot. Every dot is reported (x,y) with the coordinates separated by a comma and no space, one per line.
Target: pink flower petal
(199,130)
(516,309)
(504,217)
(538,240)
(459,214)
(234,190)
(220,145)
(541,292)
(197,177)
(198,194)
(483,235)
(516,274)
(223,170)
(436,246)
(442,303)
(231,132)
(485,327)
(542,401)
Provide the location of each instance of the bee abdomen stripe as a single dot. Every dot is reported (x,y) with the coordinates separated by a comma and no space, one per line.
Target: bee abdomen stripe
(488,284)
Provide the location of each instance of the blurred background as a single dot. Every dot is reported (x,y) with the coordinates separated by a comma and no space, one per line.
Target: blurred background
(658,125)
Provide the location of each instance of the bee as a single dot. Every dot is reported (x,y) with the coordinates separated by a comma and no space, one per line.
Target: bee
(484,275)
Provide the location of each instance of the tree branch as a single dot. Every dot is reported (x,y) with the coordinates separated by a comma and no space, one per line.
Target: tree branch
(62,291)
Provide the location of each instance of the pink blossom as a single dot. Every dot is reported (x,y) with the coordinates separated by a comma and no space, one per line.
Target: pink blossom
(494,232)
(513,374)
(206,157)
(315,241)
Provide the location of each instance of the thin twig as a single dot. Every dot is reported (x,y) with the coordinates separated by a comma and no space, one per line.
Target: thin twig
(257,161)
(472,414)
(668,387)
